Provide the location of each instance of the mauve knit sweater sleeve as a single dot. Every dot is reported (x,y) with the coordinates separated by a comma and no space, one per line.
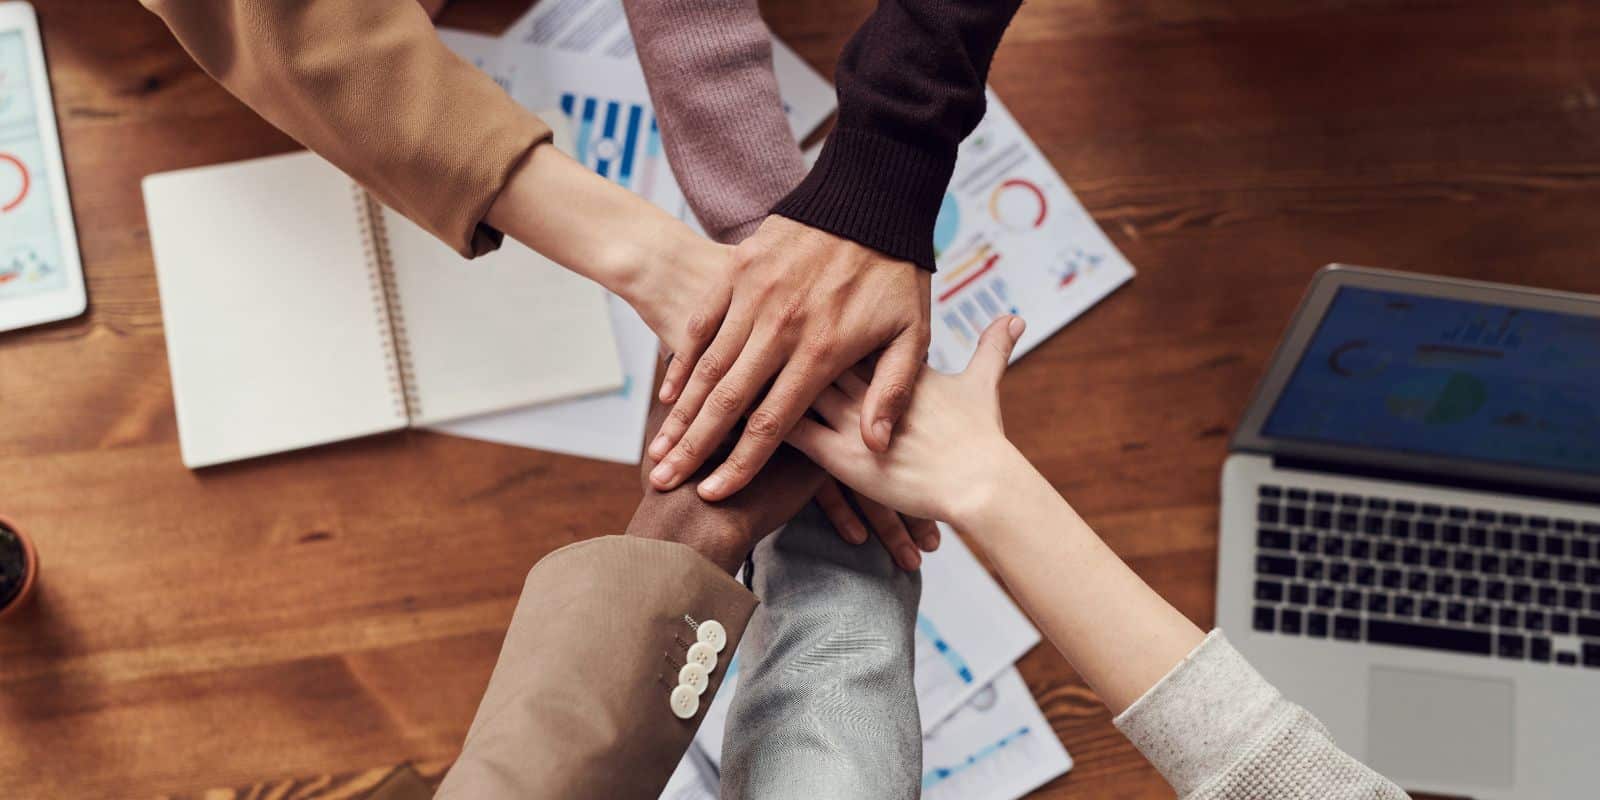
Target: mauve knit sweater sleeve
(1216,730)
(911,87)
(708,64)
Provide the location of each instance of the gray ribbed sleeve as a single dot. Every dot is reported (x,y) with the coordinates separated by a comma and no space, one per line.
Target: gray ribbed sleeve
(1216,730)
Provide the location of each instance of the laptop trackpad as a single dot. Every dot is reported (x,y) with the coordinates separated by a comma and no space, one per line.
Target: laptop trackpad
(1429,726)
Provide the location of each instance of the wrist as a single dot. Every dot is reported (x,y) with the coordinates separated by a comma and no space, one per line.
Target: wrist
(680,516)
(985,500)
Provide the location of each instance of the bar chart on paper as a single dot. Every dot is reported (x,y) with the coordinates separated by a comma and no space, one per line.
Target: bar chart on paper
(620,140)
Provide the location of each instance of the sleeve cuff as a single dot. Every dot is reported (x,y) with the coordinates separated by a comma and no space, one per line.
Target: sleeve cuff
(1203,715)
(874,191)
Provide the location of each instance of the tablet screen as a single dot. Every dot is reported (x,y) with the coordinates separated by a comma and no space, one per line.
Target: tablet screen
(31,262)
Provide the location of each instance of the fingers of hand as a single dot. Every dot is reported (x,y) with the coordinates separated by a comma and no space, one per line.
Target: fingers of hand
(785,403)
(994,348)
(830,498)
(924,531)
(891,532)
(836,408)
(719,413)
(706,373)
(889,395)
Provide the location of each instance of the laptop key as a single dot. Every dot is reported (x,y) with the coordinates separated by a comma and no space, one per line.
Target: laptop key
(1404,606)
(1322,519)
(1417,581)
(1269,491)
(1591,654)
(1272,539)
(1507,618)
(1299,495)
(1555,546)
(1411,555)
(1325,596)
(1581,548)
(1372,524)
(1567,572)
(1276,565)
(1366,574)
(1407,634)
(1494,589)
(1317,624)
(1392,578)
(1482,614)
(1362,549)
(1589,627)
(1267,513)
(1444,584)
(1427,531)
(1451,533)
(1567,659)
(1377,603)
(1509,645)
(1549,596)
(1289,621)
(1306,543)
(1294,516)
(1332,546)
(1429,608)
(1339,572)
(1560,623)
(1438,557)
(1539,649)
(1478,536)
(1469,586)
(1540,569)
(1263,619)
(1311,569)
(1269,591)
(1349,521)
(1299,594)
(1591,575)
(1455,611)
(1400,528)
(1347,628)
(1533,619)
(1350,600)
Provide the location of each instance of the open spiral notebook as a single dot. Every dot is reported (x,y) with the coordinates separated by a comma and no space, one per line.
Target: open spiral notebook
(300,311)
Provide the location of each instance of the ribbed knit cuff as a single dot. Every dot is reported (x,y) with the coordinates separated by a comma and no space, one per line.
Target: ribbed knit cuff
(875,191)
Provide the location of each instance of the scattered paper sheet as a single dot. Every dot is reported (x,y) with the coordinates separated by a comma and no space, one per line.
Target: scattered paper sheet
(600,28)
(968,633)
(693,779)
(999,746)
(1012,239)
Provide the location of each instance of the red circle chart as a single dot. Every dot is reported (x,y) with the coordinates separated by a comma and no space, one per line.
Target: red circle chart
(1018,204)
(9,162)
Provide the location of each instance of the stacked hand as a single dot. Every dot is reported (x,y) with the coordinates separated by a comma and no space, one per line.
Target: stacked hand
(802,307)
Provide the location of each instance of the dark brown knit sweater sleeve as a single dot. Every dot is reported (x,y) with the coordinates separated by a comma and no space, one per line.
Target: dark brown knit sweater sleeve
(910,86)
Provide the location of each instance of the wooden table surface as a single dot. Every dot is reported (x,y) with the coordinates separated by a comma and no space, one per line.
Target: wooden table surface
(304,622)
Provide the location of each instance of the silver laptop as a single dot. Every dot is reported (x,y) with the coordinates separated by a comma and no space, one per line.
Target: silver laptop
(1411,530)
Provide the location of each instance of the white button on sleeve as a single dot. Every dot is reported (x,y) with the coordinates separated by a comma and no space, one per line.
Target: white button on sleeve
(704,655)
(711,632)
(685,702)
(695,677)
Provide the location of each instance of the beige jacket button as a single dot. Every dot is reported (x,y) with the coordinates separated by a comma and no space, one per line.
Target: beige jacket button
(695,677)
(711,632)
(685,702)
(704,655)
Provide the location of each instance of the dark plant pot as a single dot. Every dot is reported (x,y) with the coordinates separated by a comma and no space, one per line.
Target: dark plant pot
(19,568)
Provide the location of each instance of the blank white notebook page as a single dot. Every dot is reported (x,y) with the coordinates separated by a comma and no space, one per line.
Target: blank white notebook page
(504,330)
(275,337)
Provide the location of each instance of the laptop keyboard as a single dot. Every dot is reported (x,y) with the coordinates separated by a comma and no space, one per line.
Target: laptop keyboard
(1378,569)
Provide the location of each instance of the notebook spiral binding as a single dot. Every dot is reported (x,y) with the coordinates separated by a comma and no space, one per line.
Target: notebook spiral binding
(386,300)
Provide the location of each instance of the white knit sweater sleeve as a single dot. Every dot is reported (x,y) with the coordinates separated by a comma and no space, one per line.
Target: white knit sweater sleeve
(1216,730)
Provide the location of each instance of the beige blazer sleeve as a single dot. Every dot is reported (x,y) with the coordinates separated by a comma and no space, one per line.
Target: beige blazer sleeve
(368,85)
(578,705)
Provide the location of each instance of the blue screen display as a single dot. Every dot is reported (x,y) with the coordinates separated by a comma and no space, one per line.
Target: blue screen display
(1438,377)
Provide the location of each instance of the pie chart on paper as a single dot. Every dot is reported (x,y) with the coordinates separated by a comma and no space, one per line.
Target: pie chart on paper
(14,182)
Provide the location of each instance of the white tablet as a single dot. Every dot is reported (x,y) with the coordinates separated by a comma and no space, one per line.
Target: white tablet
(41,278)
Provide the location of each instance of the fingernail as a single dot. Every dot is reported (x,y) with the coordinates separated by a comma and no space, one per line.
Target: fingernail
(930,542)
(658,448)
(858,535)
(883,429)
(713,486)
(1016,326)
(666,392)
(909,557)
(663,474)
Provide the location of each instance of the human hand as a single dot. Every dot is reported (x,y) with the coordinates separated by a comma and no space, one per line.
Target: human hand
(902,536)
(725,532)
(950,456)
(806,305)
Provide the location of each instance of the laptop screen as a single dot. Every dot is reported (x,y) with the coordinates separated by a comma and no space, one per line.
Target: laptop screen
(1424,375)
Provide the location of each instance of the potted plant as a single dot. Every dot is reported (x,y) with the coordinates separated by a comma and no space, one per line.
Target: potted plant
(19,567)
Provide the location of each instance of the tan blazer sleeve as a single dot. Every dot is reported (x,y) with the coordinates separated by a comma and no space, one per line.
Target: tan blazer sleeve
(578,703)
(368,85)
